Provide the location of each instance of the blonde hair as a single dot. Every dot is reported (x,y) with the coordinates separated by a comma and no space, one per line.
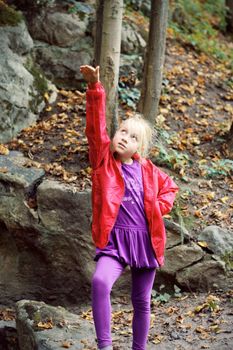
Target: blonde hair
(143,128)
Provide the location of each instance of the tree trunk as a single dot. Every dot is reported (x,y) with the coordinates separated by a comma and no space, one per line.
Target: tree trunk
(98,31)
(230,142)
(152,79)
(229,18)
(110,57)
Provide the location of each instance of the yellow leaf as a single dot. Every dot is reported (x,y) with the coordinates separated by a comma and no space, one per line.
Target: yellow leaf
(202,244)
(200,307)
(157,339)
(198,214)
(228,108)
(46,96)
(3,170)
(210,195)
(66,344)
(201,329)
(48,109)
(4,150)
(164,111)
(224,199)
(45,325)
(202,161)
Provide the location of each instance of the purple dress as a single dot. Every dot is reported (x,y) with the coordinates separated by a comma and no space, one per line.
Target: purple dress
(129,240)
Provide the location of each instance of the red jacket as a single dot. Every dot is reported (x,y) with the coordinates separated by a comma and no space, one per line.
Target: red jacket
(108,185)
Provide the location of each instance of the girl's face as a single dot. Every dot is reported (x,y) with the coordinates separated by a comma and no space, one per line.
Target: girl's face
(125,143)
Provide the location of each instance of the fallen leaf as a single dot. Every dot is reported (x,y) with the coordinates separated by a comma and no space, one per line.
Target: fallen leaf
(45,325)
(67,344)
(202,244)
(4,150)
(4,170)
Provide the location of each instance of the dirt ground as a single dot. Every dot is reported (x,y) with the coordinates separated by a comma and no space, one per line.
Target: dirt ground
(192,321)
(195,114)
(196,110)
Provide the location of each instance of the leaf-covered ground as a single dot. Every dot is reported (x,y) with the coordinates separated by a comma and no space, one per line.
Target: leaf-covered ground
(187,322)
(196,110)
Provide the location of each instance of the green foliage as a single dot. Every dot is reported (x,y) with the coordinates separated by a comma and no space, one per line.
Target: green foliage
(165,297)
(172,159)
(198,23)
(185,222)
(221,167)
(228,259)
(43,3)
(77,7)
(128,96)
(40,83)
(9,16)
(135,4)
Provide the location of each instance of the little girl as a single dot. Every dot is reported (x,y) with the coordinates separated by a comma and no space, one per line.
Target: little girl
(129,197)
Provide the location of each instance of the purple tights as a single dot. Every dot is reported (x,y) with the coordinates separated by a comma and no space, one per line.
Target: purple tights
(108,270)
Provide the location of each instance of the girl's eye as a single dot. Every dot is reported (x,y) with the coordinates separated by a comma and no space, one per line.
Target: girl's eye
(134,137)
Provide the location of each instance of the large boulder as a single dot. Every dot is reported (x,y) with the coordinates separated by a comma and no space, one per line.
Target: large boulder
(20,97)
(58,28)
(45,237)
(219,240)
(181,257)
(41,326)
(47,250)
(131,40)
(206,275)
(63,42)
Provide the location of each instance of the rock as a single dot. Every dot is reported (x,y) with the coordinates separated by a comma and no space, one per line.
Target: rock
(61,65)
(8,335)
(180,257)
(131,40)
(219,240)
(65,330)
(45,245)
(176,234)
(17,185)
(63,42)
(204,276)
(131,64)
(21,108)
(58,28)
(17,39)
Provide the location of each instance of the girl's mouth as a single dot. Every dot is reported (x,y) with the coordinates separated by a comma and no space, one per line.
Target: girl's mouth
(121,145)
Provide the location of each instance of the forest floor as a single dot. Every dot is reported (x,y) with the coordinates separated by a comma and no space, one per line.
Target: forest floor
(190,321)
(195,114)
(196,110)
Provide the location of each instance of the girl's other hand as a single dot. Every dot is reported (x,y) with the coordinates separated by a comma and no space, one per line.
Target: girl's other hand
(90,74)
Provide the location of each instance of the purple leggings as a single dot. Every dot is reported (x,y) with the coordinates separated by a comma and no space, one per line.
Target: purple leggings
(108,270)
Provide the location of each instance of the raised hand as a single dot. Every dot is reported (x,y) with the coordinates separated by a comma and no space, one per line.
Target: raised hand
(90,74)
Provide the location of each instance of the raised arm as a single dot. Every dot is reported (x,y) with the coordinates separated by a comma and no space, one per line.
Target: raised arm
(96,131)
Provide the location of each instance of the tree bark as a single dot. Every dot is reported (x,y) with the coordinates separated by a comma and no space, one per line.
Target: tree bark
(229,18)
(110,58)
(230,142)
(152,78)
(98,31)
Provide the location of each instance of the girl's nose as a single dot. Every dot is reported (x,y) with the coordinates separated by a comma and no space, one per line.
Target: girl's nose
(124,139)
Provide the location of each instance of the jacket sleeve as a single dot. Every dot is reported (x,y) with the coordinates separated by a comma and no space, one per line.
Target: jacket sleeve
(96,131)
(167,192)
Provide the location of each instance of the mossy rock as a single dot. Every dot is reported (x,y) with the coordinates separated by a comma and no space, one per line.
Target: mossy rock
(40,83)
(9,16)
